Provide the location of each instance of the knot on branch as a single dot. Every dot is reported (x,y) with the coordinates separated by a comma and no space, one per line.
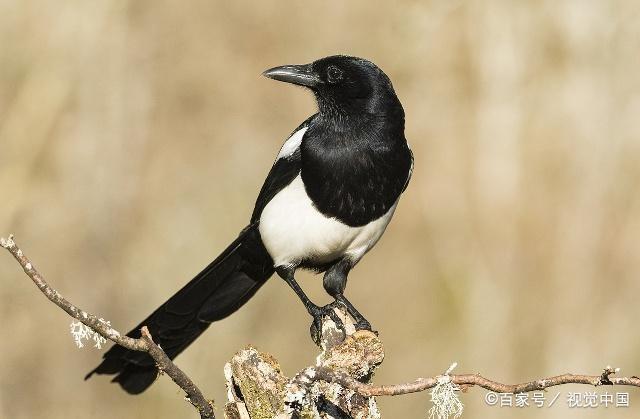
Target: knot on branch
(7,243)
(256,387)
(606,372)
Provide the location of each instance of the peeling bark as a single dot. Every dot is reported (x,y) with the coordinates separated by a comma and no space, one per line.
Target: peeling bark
(257,389)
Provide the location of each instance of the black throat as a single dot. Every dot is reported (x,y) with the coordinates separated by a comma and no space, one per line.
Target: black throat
(355,165)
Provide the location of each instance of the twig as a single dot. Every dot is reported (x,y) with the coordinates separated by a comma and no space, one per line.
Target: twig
(467,380)
(144,344)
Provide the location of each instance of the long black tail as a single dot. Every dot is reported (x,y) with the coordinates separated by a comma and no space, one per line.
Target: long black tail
(216,292)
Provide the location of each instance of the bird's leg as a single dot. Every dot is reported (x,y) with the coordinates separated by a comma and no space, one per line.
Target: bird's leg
(334,282)
(314,310)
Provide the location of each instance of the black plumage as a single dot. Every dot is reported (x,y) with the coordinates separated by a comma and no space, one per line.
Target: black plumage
(355,175)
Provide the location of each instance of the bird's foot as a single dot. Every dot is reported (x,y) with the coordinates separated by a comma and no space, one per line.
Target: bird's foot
(319,314)
(360,322)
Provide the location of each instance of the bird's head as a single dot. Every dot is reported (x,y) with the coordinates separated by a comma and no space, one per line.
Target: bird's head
(343,85)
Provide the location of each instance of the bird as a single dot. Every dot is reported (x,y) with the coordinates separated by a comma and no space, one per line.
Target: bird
(326,201)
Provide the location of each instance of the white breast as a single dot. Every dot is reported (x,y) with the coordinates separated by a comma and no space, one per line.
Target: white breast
(293,230)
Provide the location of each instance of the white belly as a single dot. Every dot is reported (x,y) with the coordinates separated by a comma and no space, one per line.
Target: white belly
(293,230)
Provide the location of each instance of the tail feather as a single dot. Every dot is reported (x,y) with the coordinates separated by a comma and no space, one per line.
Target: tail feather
(219,290)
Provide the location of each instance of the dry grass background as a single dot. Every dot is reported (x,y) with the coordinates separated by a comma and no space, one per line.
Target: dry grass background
(134,136)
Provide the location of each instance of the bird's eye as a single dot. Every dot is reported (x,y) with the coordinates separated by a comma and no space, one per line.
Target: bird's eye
(334,74)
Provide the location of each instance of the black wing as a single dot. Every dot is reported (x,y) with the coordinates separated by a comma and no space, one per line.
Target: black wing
(406,183)
(282,173)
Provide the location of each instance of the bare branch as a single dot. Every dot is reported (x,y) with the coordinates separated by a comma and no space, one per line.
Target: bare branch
(144,344)
(468,380)
(194,395)
(255,382)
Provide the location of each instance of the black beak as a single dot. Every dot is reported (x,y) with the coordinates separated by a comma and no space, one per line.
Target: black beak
(302,75)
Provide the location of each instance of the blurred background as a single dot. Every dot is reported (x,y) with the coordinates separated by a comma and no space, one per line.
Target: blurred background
(135,135)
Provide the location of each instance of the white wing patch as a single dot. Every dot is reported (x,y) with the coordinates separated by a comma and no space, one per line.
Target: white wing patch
(292,144)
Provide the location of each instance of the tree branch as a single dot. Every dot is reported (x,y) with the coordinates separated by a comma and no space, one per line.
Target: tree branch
(341,374)
(469,380)
(337,386)
(144,344)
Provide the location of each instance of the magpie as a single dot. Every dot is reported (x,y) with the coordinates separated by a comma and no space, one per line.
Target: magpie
(326,201)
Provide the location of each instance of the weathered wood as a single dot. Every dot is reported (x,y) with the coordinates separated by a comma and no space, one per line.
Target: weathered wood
(257,389)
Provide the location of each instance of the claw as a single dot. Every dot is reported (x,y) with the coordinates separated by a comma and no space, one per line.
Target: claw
(318,314)
(363,324)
